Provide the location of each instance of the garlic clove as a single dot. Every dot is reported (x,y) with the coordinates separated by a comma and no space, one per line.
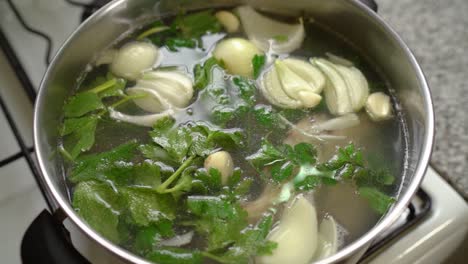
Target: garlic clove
(257,208)
(134,58)
(308,72)
(222,161)
(261,30)
(237,55)
(328,238)
(229,21)
(379,106)
(336,90)
(296,235)
(143,120)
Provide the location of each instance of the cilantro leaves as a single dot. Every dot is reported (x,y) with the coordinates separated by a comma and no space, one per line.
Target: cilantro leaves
(229,238)
(258,61)
(185,31)
(347,165)
(82,113)
(283,160)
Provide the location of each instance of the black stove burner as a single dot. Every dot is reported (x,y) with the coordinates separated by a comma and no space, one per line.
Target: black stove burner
(92,7)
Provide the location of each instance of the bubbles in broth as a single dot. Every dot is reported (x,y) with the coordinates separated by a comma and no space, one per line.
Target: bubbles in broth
(232,136)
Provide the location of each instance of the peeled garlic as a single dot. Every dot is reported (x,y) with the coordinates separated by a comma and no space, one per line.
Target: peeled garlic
(261,30)
(165,90)
(293,83)
(379,106)
(296,235)
(346,90)
(237,55)
(222,161)
(328,238)
(229,21)
(134,58)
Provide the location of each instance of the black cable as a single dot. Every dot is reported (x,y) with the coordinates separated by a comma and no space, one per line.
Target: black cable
(32,166)
(44,36)
(79,4)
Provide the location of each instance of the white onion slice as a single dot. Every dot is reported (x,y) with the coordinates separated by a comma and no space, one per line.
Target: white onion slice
(296,235)
(143,120)
(261,29)
(338,123)
(178,241)
(339,60)
(328,238)
(165,90)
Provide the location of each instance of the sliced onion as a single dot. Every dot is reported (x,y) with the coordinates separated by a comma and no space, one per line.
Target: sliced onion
(292,84)
(166,90)
(336,90)
(339,60)
(261,29)
(308,72)
(296,235)
(106,57)
(339,123)
(273,91)
(178,241)
(143,120)
(328,238)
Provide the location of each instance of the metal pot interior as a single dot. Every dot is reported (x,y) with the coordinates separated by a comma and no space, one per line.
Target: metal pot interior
(359,25)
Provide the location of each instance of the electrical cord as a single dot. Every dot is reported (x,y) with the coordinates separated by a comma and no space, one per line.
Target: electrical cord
(80,4)
(36,32)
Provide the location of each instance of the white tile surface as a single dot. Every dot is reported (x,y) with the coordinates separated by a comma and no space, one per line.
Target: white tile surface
(15,179)
(15,216)
(44,16)
(16,100)
(8,145)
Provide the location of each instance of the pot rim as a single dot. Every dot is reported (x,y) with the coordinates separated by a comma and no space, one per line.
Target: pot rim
(347,251)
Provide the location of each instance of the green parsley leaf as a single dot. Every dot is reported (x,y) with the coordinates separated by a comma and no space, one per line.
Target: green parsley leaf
(80,134)
(82,103)
(280,38)
(147,207)
(173,44)
(377,199)
(204,72)
(98,204)
(198,24)
(175,256)
(97,166)
(282,171)
(258,61)
(266,116)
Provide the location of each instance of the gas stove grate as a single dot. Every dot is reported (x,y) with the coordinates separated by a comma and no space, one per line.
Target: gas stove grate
(419,207)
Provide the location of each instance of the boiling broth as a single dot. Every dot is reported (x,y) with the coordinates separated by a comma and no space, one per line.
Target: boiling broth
(382,143)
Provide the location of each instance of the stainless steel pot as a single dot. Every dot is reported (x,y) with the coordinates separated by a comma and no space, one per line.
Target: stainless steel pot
(350,18)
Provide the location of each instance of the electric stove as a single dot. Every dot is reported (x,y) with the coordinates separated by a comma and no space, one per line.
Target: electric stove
(31,31)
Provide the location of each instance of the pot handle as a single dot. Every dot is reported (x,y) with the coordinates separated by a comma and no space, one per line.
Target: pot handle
(47,241)
(370,4)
